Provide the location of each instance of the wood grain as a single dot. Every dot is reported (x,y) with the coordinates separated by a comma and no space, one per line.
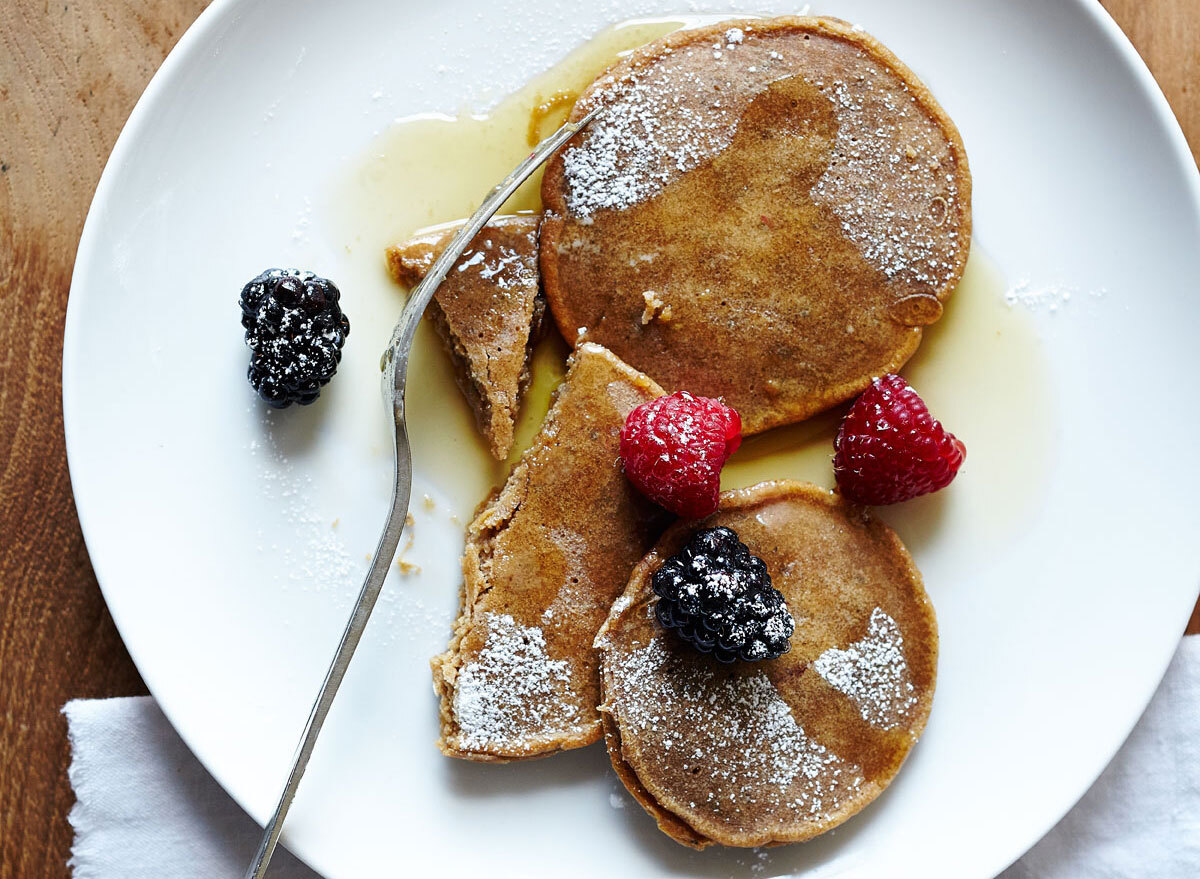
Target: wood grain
(69,75)
(1166,34)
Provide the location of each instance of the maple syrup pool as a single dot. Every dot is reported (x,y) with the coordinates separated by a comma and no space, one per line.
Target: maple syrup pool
(980,368)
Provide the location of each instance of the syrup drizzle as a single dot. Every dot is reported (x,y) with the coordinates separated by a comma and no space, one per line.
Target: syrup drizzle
(980,367)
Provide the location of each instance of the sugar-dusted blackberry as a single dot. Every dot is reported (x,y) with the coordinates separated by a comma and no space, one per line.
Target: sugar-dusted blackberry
(295,329)
(718,597)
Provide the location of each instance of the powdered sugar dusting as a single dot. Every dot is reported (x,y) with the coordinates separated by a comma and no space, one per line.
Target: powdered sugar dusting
(512,691)
(505,267)
(873,673)
(891,181)
(647,136)
(621,605)
(897,228)
(732,731)
(314,555)
(663,119)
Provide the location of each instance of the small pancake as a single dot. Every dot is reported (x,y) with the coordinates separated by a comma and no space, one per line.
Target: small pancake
(545,557)
(488,313)
(768,211)
(778,751)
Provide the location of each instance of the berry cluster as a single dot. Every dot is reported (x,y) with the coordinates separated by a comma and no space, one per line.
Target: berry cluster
(718,597)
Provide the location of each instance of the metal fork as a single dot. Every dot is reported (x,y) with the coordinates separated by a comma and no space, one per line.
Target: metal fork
(395,376)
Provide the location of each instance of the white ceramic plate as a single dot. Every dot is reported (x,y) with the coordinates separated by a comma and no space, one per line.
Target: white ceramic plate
(211,524)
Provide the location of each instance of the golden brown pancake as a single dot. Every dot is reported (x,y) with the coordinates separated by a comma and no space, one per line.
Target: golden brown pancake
(488,314)
(777,751)
(768,211)
(545,557)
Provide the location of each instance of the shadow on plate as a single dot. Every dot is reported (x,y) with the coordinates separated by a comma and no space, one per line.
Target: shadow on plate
(581,767)
(293,431)
(577,767)
(919,521)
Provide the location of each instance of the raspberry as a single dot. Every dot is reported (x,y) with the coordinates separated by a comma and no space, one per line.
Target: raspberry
(295,330)
(718,597)
(890,449)
(674,448)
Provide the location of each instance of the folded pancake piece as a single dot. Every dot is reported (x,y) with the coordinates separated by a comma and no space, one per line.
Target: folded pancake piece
(545,557)
(488,313)
(768,211)
(777,751)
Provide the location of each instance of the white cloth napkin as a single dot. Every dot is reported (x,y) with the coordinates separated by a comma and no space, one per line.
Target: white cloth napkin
(144,806)
(147,809)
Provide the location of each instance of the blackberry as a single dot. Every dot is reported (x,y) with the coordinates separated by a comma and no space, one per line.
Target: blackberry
(718,597)
(295,329)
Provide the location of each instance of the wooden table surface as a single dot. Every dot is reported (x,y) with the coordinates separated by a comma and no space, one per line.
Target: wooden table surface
(69,75)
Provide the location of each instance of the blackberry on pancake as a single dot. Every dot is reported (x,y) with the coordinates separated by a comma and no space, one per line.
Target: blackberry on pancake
(777,751)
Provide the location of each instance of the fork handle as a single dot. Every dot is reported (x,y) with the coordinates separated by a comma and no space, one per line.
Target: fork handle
(395,370)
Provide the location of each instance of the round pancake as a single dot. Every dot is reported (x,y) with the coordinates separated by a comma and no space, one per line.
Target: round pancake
(778,751)
(768,211)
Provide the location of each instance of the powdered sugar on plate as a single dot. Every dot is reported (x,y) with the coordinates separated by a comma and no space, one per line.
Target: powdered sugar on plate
(1048,297)
(511,691)
(314,556)
(873,673)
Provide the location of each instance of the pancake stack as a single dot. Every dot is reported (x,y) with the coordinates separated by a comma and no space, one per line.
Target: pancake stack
(779,751)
